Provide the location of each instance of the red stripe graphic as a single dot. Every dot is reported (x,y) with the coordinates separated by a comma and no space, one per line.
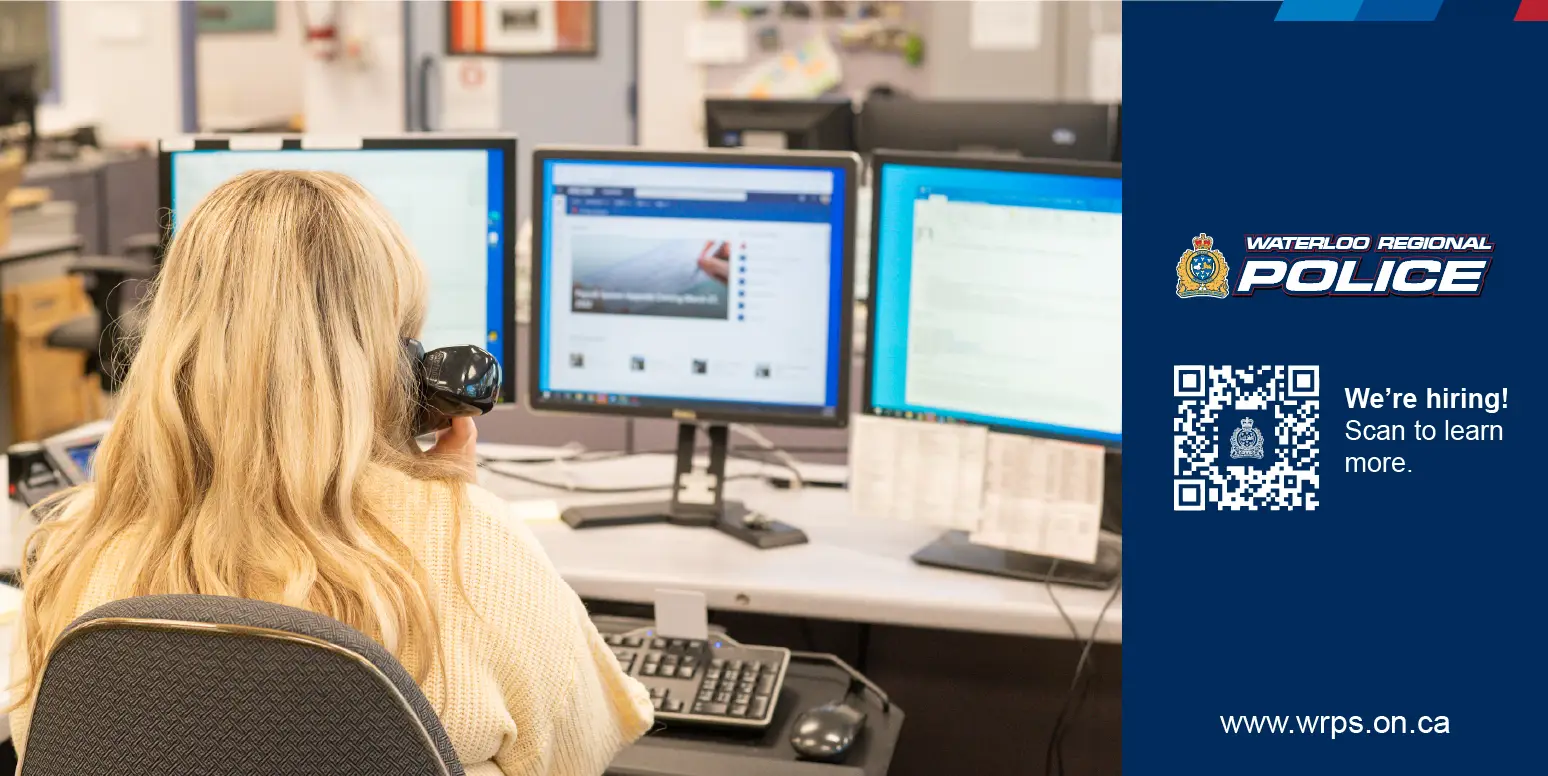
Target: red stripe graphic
(1532,11)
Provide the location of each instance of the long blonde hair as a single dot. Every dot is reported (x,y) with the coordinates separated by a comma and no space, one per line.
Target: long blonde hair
(270,376)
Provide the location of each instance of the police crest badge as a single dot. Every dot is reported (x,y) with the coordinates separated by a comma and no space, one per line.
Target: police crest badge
(1202,270)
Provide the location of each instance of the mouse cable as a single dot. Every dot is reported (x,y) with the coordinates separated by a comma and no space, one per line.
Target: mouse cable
(1055,752)
(855,676)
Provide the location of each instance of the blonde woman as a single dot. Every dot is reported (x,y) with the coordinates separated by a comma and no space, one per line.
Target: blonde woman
(262,449)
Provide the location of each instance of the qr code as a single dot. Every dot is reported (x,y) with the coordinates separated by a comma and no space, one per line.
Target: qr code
(1245,437)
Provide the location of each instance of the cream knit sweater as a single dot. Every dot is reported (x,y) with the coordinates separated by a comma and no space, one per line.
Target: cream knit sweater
(532,688)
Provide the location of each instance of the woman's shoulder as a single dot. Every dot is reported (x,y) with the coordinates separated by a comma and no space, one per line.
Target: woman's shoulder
(434,509)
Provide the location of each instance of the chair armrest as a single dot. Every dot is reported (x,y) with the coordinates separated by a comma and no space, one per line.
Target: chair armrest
(103,265)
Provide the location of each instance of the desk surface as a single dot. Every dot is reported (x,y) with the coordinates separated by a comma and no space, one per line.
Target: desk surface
(853,569)
(31,246)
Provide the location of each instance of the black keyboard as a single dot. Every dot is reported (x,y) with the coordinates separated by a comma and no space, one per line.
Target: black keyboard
(717,682)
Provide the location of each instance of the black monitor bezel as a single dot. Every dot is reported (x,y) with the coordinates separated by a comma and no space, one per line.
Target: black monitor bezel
(697,411)
(501,142)
(842,108)
(881,158)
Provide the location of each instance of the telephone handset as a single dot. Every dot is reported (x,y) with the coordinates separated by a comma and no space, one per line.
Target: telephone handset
(454,381)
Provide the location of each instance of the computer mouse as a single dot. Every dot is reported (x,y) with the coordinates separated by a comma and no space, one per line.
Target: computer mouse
(827,731)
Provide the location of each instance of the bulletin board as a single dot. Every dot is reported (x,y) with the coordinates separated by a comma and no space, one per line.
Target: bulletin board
(775,29)
(969,49)
(521,28)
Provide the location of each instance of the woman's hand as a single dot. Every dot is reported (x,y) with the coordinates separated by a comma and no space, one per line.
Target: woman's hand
(457,443)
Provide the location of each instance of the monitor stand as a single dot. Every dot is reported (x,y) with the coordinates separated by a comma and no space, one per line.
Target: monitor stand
(954,551)
(698,500)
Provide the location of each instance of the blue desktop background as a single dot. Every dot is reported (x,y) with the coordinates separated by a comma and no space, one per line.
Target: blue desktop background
(899,186)
(764,207)
(1401,594)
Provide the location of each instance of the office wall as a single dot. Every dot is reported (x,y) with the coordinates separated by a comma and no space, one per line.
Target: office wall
(248,78)
(348,97)
(671,89)
(1058,69)
(121,67)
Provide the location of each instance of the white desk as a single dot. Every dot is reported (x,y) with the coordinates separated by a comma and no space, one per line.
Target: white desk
(853,569)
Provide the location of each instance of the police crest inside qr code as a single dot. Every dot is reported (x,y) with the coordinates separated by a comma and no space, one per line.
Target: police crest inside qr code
(1245,437)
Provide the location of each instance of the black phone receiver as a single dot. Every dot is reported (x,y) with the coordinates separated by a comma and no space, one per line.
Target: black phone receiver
(454,381)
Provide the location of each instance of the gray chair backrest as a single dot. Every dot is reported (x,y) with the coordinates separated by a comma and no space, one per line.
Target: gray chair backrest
(193,684)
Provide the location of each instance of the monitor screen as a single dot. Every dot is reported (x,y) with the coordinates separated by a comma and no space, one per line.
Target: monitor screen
(81,455)
(703,287)
(996,296)
(453,198)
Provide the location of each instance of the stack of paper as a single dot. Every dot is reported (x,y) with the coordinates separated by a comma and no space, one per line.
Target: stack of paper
(1025,494)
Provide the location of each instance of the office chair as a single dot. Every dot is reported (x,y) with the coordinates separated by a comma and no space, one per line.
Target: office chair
(98,333)
(175,684)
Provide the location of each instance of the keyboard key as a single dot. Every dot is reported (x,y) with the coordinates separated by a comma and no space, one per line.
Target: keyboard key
(673,705)
(658,643)
(717,709)
(632,641)
(717,663)
(657,692)
(769,669)
(734,665)
(765,684)
(656,703)
(711,676)
(743,698)
(747,687)
(724,696)
(689,660)
(685,672)
(738,709)
(749,674)
(648,670)
(669,660)
(707,695)
(696,645)
(727,684)
(613,641)
(753,665)
(759,707)
(677,644)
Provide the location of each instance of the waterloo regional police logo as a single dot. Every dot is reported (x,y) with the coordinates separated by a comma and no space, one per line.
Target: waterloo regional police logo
(1202,271)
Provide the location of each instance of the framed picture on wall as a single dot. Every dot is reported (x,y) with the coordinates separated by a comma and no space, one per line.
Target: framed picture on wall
(245,16)
(521,28)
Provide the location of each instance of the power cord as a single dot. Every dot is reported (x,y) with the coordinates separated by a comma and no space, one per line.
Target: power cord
(1074,698)
(789,461)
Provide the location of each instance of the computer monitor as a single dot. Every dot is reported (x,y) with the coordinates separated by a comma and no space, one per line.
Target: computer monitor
(1035,130)
(19,102)
(454,197)
(996,300)
(705,287)
(996,295)
(778,125)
